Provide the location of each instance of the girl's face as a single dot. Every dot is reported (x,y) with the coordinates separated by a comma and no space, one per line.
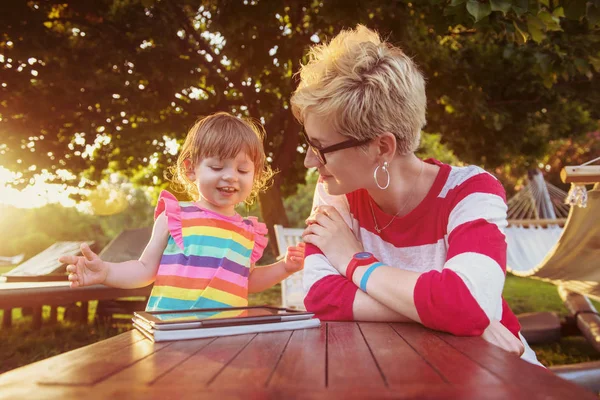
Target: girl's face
(223,184)
(346,170)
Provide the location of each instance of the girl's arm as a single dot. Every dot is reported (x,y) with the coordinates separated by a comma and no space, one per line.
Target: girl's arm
(262,278)
(89,269)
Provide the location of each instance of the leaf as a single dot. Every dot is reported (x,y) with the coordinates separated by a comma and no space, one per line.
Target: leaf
(551,22)
(549,80)
(500,5)
(520,6)
(455,3)
(535,26)
(522,36)
(478,10)
(559,12)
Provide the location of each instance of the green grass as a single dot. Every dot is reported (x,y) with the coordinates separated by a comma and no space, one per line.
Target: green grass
(529,295)
(22,345)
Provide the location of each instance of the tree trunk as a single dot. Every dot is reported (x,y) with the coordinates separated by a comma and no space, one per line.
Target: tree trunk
(273,212)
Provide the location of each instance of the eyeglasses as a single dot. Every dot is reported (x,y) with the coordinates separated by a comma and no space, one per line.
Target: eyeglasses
(320,152)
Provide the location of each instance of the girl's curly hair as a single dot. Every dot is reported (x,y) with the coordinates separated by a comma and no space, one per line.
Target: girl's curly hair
(222,135)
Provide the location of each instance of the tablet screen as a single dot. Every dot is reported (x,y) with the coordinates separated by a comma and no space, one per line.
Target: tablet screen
(200,315)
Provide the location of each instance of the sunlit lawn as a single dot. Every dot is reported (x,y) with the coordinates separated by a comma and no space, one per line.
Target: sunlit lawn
(21,345)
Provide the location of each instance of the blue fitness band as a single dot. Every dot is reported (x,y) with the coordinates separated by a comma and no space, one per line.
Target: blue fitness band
(365,277)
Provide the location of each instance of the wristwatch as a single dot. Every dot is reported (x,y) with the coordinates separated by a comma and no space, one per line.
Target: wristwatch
(359,260)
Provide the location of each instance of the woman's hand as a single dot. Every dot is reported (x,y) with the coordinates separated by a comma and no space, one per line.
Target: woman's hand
(329,232)
(498,335)
(85,270)
(294,258)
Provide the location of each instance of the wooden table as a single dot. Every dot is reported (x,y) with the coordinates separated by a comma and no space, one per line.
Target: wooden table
(38,294)
(339,360)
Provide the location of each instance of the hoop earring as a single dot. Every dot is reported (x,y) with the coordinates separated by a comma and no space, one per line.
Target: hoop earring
(384,169)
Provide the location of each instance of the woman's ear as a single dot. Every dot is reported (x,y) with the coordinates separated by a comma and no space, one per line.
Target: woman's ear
(386,146)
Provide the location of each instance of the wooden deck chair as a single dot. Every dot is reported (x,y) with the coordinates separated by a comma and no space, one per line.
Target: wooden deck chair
(292,291)
(14,260)
(128,245)
(45,266)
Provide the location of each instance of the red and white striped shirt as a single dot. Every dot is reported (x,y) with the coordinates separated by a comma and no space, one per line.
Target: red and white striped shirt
(454,238)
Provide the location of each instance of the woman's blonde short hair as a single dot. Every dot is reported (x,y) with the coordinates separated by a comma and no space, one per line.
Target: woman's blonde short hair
(223,136)
(366,86)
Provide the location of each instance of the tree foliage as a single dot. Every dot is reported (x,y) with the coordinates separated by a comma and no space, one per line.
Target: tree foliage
(112,85)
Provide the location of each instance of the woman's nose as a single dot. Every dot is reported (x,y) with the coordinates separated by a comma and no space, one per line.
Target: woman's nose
(311,160)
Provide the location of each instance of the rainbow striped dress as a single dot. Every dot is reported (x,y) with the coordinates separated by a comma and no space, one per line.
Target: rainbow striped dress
(208,257)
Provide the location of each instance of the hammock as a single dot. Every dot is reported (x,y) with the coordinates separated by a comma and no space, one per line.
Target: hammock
(536,215)
(574,261)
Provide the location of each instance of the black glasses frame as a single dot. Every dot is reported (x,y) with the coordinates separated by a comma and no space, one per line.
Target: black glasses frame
(320,152)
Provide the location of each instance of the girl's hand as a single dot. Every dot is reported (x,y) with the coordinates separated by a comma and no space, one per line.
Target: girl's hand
(85,270)
(329,232)
(294,258)
(498,335)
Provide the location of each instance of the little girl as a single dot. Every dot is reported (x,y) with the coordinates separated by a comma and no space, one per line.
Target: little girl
(202,253)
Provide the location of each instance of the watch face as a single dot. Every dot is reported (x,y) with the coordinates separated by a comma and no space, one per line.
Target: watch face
(363,255)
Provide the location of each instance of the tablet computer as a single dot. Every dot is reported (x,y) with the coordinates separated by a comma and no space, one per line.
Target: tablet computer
(215,317)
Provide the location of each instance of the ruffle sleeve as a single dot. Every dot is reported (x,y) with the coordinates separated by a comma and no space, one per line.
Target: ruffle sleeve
(260,239)
(170,205)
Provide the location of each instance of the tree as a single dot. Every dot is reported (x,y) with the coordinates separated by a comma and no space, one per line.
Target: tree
(115,81)
(113,85)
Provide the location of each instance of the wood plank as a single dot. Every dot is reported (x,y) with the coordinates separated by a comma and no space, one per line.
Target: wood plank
(15,295)
(53,315)
(197,371)
(303,361)
(96,365)
(85,312)
(417,391)
(151,368)
(253,366)
(32,391)
(6,318)
(350,363)
(401,364)
(36,317)
(588,174)
(133,392)
(528,378)
(454,366)
(54,365)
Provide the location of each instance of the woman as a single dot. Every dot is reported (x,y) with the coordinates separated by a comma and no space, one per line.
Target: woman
(392,237)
